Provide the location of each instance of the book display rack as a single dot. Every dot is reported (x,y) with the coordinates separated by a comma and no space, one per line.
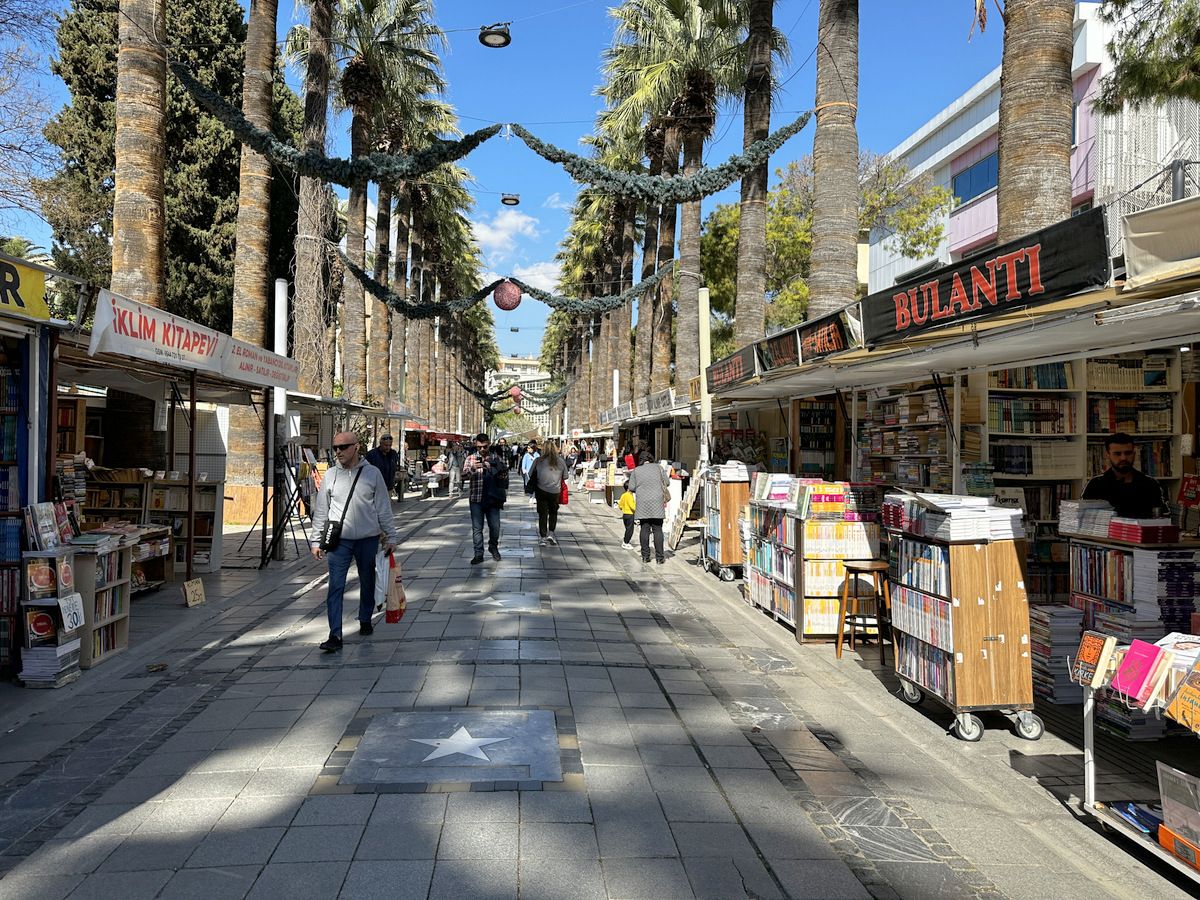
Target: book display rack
(52,614)
(907,437)
(960,614)
(726,493)
(12,498)
(816,428)
(103,579)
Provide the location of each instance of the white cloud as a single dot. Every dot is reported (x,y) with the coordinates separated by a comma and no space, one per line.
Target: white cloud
(542,275)
(555,201)
(499,237)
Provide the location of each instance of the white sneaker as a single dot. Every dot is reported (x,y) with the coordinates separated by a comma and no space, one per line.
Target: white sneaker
(542,542)
(553,541)
(625,546)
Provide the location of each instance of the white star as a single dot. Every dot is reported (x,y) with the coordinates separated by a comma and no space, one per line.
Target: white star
(489,600)
(459,742)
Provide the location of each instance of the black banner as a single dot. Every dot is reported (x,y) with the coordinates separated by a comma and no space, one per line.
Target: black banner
(733,369)
(779,350)
(823,337)
(1042,267)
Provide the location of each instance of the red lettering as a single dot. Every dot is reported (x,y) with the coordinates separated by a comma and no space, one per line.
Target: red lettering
(920,311)
(903,316)
(939,311)
(1034,258)
(983,284)
(1009,262)
(959,301)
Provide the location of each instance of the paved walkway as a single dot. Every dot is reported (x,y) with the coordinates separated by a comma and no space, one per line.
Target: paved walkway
(567,723)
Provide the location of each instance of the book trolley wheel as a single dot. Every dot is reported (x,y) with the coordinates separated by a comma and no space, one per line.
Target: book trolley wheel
(1029,726)
(968,727)
(726,574)
(910,693)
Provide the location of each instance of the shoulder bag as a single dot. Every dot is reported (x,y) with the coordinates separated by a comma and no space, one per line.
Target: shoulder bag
(331,534)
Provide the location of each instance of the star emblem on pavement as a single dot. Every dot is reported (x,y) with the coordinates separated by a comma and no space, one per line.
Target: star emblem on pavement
(489,600)
(459,742)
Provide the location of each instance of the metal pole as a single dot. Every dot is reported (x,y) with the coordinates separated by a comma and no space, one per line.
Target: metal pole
(854,435)
(277,415)
(705,362)
(956,477)
(33,433)
(191,508)
(1178,188)
(1089,747)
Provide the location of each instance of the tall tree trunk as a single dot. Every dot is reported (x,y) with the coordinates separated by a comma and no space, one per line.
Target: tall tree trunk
(660,369)
(750,306)
(645,302)
(251,263)
(833,282)
(625,317)
(399,324)
(428,296)
(416,329)
(587,398)
(381,326)
(1035,116)
(687,335)
(138,228)
(354,317)
(311,292)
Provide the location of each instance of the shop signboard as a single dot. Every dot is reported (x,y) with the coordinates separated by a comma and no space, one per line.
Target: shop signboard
(641,406)
(694,389)
(1048,265)
(663,401)
(779,351)
(625,411)
(824,337)
(23,292)
(739,366)
(133,329)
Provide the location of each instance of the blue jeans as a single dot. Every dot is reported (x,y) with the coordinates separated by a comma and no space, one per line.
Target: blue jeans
(492,514)
(362,551)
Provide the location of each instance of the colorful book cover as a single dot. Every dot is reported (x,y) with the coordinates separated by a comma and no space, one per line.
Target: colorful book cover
(63,524)
(1155,684)
(1184,704)
(1136,668)
(1093,647)
(47,525)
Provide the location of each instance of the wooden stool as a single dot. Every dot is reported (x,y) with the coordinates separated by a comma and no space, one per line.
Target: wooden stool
(876,569)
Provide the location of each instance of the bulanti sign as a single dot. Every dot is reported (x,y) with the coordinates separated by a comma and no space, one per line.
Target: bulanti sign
(23,292)
(1042,267)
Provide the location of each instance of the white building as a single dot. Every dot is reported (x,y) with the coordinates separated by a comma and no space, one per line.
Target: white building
(526,372)
(1110,157)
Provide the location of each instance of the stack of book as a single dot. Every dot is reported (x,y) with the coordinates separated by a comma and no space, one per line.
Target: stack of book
(1085,517)
(1165,586)
(50,665)
(1054,634)
(1143,531)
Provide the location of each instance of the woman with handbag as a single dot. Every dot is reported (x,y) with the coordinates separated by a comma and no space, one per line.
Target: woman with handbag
(350,512)
(649,485)
(547,477)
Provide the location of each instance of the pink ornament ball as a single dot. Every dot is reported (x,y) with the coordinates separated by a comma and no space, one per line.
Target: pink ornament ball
(507,296)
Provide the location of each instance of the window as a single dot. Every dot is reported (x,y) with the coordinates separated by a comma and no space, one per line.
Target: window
(976,179)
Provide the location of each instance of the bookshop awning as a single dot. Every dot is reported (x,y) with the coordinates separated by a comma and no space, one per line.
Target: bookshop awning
(1162,243)
(143,377)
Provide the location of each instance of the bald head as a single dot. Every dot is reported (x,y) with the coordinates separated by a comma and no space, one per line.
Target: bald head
(345,448)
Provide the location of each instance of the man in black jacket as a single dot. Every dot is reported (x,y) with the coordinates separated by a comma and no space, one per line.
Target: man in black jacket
(486,472)
(1132,494)
(386,460)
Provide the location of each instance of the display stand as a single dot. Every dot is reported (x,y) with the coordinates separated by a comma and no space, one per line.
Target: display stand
(53,614)
(167,505)
(152,561)
(102,578)
(770,566)
(726,492)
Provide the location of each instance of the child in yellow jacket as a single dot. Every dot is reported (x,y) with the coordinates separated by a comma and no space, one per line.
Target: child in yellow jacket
(628,505)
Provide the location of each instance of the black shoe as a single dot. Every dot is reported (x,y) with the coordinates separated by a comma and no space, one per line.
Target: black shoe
(333,644)
(476,559)
(646,560)
(495,554)
(366,629)
(660,562)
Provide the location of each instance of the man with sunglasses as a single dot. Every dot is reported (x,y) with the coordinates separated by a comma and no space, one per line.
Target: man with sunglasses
(487,474)
(355,494)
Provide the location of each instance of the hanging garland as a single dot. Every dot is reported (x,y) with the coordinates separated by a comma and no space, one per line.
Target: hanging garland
(659,188)
(376,167)
(577,307)
(408,308)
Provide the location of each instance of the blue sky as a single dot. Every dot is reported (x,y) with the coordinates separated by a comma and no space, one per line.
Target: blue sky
(914,58)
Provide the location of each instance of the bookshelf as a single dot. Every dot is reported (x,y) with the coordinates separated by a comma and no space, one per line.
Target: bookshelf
(102,580)
(52,615)
(770,569)
(70,428)
(724,500)
(816,438)
(167,505)
(906,436)
(961,622)
(115,494)
(12,498)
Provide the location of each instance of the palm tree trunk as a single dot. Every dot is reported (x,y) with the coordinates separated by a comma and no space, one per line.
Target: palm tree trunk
(251,263)
(687,337)
(381,326)
(1035,116)
(309,303)
(625,313)
(660,369)
(750,305)
(399,324)
(833,282)
(428,296)
(645,303)
(413,369)
(354,317)
(138,227)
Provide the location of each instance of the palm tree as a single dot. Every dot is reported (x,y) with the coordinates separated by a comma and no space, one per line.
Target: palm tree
(653,142)
(388,42)
(833,281)
(138,265)
(1035,116)
(750,305)
(685,55)
(662,315)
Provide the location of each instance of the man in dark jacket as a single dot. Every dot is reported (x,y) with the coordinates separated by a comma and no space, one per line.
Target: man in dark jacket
(486,472)
(386,460)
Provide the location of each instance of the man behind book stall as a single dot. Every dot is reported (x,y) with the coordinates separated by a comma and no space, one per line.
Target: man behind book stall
(1133,494)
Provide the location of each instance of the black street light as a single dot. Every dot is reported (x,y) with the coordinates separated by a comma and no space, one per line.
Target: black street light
(495,36)
(510,199)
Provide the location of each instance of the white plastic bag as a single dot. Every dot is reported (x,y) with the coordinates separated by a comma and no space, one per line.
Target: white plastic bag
(383,577)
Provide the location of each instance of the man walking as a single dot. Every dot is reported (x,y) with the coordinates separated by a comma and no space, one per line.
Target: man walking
(487,489)
(386,460)
(354,494)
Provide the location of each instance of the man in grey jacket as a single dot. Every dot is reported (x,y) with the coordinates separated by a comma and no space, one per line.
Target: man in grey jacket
(365,510)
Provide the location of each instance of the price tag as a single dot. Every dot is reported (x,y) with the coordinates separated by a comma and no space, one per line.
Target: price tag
(72,611)
(193,592)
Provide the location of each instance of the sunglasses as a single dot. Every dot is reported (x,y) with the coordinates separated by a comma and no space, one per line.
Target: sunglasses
(338,448)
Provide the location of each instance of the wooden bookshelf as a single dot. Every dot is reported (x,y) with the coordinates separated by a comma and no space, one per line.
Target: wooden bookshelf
(906,436)
(723,504)
(167,504)
(961,618)
(70,428)
(103,582)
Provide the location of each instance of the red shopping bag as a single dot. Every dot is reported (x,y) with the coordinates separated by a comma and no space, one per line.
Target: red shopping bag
(563,494)
(397,601)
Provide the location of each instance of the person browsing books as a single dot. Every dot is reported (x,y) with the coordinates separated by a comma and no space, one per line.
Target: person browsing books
(1133,494)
